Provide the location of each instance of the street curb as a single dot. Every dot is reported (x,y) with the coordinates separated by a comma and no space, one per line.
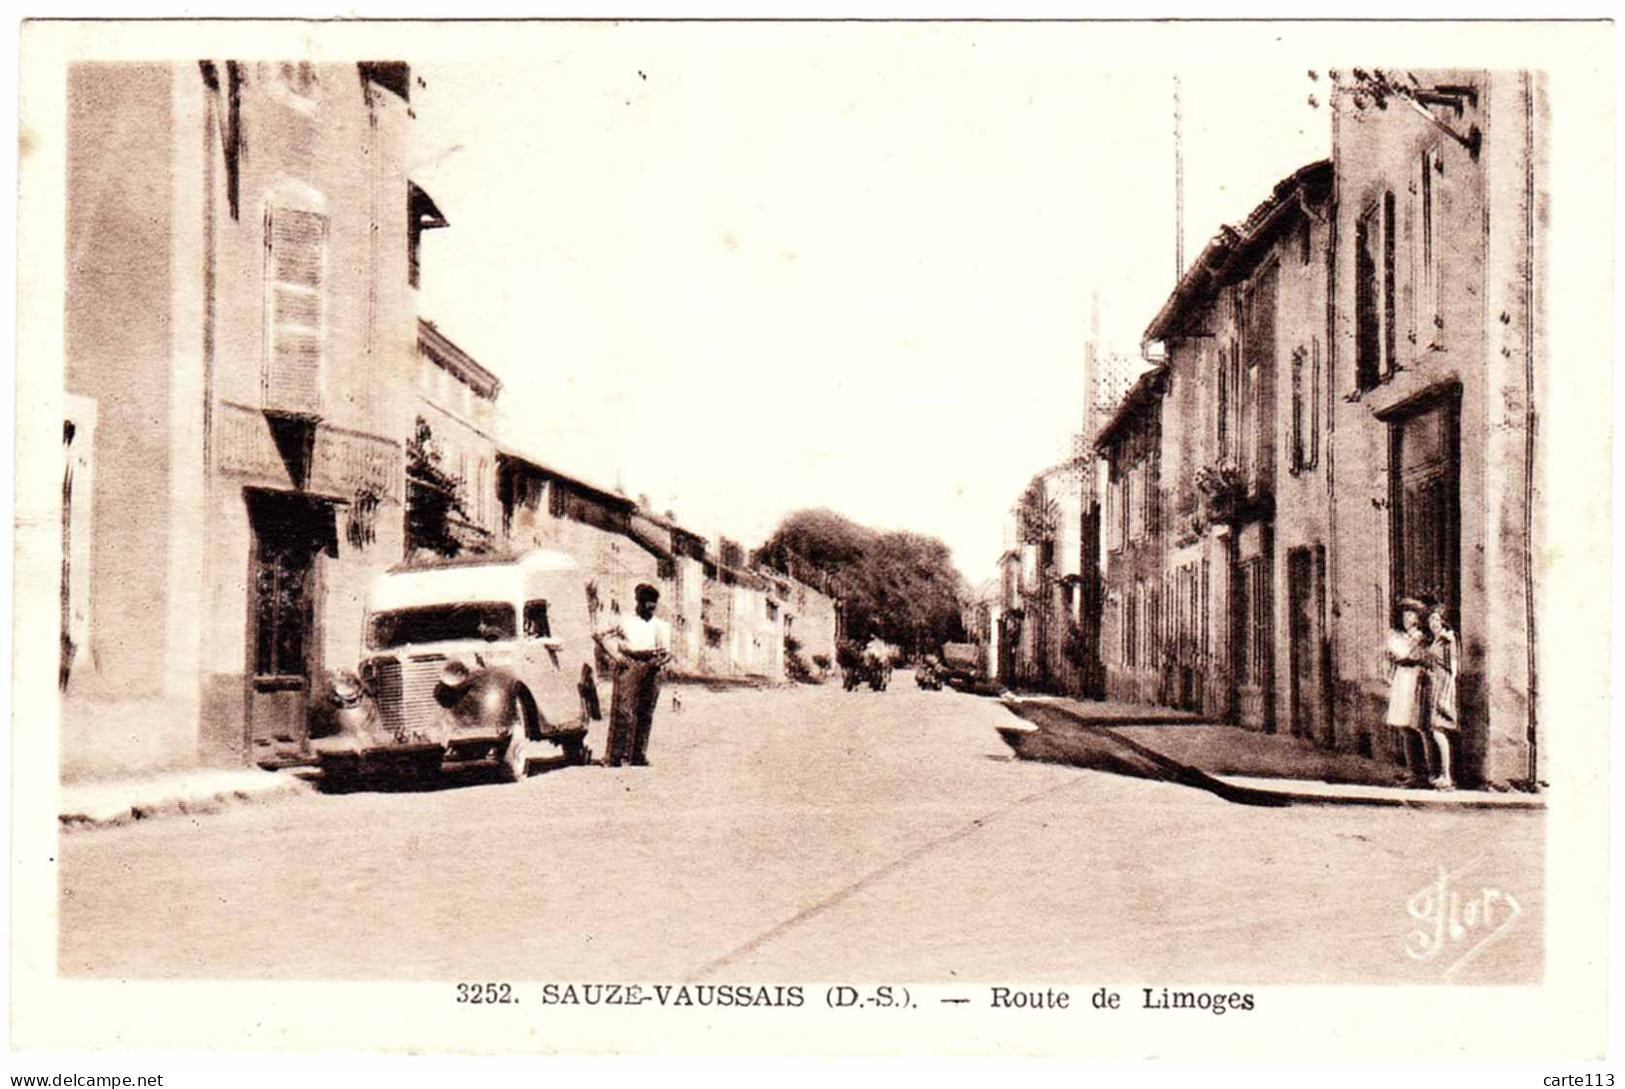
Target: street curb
(1312,793)
(86,813)
(1245,790)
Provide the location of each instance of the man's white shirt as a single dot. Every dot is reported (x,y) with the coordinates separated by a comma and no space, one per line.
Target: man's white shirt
(638,634)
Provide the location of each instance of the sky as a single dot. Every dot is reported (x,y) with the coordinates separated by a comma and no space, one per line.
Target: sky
(749,268)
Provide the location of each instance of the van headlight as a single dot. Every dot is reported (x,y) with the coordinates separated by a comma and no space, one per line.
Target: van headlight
(345,688)
(455,674)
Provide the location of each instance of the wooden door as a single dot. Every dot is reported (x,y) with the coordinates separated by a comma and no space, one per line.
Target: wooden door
(1425,505)
(1253,645)
(289,534)
(1304,615)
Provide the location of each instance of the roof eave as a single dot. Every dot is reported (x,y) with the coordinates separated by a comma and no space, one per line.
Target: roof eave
(430,217)
(621,502)
(447,353)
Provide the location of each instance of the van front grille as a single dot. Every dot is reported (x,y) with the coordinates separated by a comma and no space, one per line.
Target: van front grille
(405,692)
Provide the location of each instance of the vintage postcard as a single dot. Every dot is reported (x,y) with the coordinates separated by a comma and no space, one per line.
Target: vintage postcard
(1050,538)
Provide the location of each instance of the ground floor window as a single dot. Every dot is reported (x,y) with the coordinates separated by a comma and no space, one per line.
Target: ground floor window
(1131,625)
(1252,622)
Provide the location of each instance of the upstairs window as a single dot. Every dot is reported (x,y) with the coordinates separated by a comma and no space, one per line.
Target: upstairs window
(1428,198)
(1297,450)
(1388,356)
(1130,489)
(292,83)
(1256,415)
(295,304)
(1368,342)
(1313,458)
(1303,428)
(1148,499)
(1114,514)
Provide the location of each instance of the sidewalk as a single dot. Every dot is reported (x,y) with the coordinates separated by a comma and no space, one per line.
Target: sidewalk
(102,803)
(1114,712)
(1239,765)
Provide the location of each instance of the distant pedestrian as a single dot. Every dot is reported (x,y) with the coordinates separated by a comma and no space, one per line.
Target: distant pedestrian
(877,661)
(1407,667)
(638,647)
(1444,663)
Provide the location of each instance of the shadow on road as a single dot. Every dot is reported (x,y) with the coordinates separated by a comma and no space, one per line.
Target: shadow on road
(1062,739)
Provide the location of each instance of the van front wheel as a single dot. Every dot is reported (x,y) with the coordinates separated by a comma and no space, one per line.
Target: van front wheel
(524,725)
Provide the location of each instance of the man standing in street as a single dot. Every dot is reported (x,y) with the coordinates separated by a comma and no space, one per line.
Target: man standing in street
(639,646)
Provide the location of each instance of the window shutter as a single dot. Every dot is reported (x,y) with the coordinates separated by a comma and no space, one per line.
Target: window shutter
(1314,407)
(1296,450)
(1367,321)
(296,259)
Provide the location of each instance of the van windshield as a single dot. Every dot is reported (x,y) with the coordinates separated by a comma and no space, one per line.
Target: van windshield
(482,620)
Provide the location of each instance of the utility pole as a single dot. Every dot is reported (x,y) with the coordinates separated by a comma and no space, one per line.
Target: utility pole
(1091,369)
(1179,186)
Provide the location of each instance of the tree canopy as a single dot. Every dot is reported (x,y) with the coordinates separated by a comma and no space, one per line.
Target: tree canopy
(898,584)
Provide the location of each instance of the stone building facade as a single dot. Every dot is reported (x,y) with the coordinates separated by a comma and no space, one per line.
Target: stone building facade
(543,507)
(728,621)
(455,432)
(1437,344)
(1053,633)
(1343,417)
(1132,543)
(239,337)
(1235,624)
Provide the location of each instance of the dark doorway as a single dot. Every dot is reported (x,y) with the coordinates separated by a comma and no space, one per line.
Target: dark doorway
(1307,617)
(290,532)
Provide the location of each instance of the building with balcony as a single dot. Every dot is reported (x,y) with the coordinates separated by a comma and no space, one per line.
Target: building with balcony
(1344,418)
(1236,623)
(240,335)
(452,503)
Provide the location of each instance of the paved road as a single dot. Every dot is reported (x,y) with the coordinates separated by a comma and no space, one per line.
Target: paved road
(803,834)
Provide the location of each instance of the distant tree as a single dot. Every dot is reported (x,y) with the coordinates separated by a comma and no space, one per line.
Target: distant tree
(818,541)
(901,586)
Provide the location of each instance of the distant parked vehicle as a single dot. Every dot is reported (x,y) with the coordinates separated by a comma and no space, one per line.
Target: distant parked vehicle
(859,666)
(482,663)
(879,674)
(962,665)
(849,657)
(928,674)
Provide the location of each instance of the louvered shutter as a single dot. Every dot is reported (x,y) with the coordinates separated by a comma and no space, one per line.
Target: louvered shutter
(296,259)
